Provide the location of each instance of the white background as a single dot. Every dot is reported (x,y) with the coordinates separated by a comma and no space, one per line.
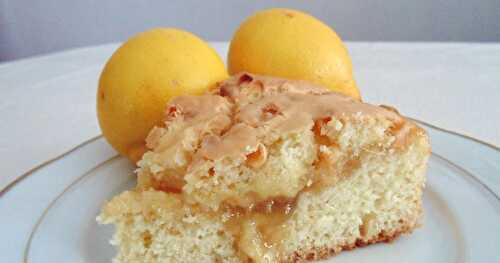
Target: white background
(29,27)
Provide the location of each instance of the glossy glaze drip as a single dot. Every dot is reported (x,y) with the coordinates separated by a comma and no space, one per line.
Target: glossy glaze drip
(258,105)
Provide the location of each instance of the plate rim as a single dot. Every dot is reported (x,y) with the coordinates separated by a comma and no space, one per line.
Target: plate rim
(84,175)
(38,167)
(115,157)
(50,204)
(45,211)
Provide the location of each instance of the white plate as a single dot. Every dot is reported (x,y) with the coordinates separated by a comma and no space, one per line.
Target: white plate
(49,215)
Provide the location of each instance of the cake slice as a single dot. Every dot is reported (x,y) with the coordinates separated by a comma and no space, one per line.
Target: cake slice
(265,169)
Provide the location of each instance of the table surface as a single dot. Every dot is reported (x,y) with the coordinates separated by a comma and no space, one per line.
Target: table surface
(48,103)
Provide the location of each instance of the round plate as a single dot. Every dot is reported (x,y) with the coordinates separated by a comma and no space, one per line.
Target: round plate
(50,215)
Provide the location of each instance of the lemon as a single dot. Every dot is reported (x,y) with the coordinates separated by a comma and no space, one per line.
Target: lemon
(140,78)
(291,44)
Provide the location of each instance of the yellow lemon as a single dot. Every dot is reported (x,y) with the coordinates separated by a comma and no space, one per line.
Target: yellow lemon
(140,78)
(291,44)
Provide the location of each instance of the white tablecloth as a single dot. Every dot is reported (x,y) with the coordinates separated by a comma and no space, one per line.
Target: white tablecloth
(47,103)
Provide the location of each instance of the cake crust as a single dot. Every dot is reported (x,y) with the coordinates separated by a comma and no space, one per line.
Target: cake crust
(315,254)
